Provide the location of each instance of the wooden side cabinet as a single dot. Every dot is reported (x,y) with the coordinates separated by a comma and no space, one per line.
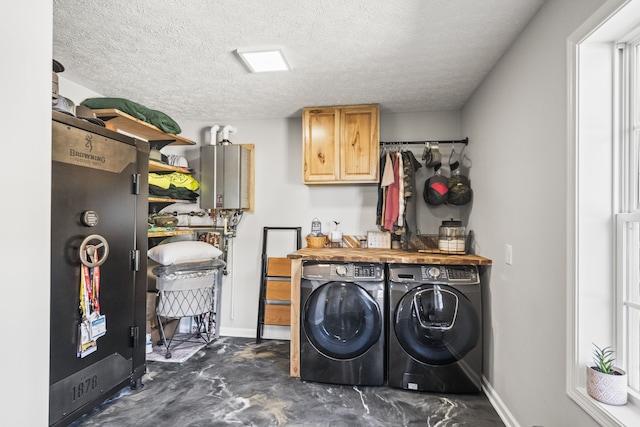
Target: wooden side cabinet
(341,144)
(277,309)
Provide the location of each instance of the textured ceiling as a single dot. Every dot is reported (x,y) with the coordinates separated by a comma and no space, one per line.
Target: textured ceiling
(177,55)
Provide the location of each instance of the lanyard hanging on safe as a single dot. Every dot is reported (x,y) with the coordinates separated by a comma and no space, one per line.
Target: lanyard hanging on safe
(92,325)
(91,285)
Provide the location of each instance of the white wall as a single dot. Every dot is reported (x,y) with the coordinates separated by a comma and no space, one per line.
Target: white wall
(517,120)
(25,39)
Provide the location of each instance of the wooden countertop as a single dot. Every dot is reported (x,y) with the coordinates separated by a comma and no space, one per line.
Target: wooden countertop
(390,256)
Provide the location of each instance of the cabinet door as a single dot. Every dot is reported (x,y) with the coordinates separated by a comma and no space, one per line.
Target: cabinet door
(341,144)
(359,144)
(320,150)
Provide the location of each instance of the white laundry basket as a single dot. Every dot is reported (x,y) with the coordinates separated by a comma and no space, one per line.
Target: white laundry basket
(189,289)
(187,292)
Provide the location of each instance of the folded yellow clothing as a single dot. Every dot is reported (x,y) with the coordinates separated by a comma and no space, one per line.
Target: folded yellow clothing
(177,179)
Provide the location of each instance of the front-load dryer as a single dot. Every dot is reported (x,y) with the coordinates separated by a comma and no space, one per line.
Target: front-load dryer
(435,328)
(342,323)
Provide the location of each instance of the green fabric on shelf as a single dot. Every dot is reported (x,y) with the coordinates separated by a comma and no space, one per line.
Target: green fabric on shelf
(154,117)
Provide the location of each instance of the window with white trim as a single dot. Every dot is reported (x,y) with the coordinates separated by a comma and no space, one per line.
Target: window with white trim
(628,304)
(604,212)
(628,215)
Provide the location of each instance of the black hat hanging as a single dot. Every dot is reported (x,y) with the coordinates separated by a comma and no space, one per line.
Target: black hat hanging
(460,192)
(436,190)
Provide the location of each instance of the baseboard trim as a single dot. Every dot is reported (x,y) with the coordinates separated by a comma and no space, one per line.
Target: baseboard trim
(269,333)
(503,412)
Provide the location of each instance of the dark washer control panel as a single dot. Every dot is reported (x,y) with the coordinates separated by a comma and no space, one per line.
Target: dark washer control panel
(364,270)
(322,270)
(461,273)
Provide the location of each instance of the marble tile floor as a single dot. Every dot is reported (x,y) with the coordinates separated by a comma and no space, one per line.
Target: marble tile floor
(236,382)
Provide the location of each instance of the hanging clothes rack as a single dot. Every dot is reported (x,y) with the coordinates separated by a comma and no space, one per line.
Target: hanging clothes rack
(464,141)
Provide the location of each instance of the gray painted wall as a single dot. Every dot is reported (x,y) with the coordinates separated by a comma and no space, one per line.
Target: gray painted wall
(518,121)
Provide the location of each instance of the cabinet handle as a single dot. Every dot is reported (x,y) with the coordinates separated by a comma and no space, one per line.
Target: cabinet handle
(356,139)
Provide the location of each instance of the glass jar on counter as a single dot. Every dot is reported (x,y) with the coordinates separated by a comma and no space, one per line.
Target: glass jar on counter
(452,237)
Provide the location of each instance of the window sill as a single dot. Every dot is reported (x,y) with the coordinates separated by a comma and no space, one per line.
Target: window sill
(607,415)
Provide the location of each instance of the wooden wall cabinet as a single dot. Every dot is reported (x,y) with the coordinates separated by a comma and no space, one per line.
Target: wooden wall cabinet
(341,144)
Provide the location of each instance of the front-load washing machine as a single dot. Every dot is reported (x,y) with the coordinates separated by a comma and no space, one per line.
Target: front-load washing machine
(342,323)
(435,328)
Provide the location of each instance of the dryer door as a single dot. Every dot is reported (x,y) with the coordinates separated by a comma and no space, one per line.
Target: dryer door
(342,320)
(436,324)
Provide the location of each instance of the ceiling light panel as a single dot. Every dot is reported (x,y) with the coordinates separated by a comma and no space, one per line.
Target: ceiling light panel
(261,60)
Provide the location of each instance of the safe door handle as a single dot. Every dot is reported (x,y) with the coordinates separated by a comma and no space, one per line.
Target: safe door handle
(89,248)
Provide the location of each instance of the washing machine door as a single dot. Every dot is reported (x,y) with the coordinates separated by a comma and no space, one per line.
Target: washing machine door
(342,320)
(436,324)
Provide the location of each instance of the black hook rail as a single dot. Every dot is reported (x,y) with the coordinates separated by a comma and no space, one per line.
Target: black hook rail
(458,141)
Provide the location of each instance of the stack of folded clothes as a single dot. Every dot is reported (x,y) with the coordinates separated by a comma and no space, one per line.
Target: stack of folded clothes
(174,185)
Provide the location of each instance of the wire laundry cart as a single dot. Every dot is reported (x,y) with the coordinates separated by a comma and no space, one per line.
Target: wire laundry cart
(189,289)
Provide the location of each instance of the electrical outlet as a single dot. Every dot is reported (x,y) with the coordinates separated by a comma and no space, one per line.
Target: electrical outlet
(508,254)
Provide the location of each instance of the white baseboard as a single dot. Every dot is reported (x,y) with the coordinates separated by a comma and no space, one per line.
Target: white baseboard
(497,403)
(269,333)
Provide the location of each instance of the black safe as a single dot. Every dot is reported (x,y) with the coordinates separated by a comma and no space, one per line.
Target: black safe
(99,205)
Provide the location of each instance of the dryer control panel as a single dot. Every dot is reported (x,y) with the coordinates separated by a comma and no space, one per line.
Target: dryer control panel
(454,274)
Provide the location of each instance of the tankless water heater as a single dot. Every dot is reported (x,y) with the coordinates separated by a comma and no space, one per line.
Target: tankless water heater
(224,177)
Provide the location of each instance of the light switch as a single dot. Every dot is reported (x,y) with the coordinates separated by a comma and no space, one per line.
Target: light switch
(508,254)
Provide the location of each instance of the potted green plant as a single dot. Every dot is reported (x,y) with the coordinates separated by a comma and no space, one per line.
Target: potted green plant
(605,382)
